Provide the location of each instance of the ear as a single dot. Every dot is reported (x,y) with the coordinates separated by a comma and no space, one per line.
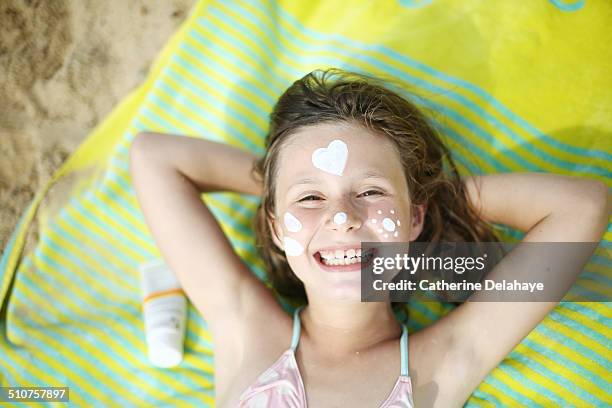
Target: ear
(418,220)
(276,233)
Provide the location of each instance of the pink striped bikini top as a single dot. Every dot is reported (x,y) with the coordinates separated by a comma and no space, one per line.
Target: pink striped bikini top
(281,386)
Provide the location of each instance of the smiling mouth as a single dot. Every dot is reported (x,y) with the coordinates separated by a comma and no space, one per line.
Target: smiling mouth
(346,263)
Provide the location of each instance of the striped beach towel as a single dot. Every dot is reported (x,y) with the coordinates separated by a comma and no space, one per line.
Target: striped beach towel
(511,86)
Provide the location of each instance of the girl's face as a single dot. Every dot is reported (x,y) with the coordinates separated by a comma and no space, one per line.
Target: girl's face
(338,185)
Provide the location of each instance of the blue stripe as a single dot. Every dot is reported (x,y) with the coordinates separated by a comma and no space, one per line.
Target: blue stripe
(239,98)
(573,344)
(111,234)
(239,66)
(504,389)
(478,394)
(430,87)
(115,273)
(585,295)
(101,299)
(549,374)
(602,260)
(201,113)
(567,363)
(250,125)
(587,331)
(527,382)
(419,66)
(167,127)
(561,5)
(474,149)
(74,348)
(134,262)
(588,312)
(119,238)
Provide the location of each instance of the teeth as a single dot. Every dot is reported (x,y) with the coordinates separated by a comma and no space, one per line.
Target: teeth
(329,258)
(340,254)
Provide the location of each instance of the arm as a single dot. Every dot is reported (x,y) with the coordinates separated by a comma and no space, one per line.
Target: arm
(472,340)
(169,173)
(202,162)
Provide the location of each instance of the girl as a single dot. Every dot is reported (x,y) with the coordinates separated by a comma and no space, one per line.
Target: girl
(342,153)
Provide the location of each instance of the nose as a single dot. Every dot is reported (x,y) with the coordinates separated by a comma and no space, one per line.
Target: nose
(343,218)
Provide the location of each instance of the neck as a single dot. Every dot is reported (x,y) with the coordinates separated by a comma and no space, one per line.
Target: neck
(347,328)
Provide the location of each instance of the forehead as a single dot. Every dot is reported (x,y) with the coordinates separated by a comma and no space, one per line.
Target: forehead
(367,151)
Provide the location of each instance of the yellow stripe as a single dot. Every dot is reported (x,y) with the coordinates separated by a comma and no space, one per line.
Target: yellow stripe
(504,399)
(518,386)
(584,320)
(43,377)
(549,383)
(230,120)
(60,348)
(577,336)
(126,230)
(90,226)
(120,311)
(569,354)
(477,100)
(102,251)
(204,87)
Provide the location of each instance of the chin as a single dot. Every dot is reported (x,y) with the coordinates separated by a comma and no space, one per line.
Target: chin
(344,293)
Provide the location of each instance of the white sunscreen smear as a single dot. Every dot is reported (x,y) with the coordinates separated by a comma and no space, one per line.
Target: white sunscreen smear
(292,223)
(165,313)
(388,224)
(340,218)
(331,159)
(292,247)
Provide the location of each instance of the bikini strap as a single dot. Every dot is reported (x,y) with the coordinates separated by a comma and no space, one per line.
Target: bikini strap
(297,325)
(404,351)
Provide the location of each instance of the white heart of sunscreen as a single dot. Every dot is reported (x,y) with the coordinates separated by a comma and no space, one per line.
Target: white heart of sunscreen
(332,158)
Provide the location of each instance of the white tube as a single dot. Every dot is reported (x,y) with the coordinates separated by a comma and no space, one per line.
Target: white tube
(165,313)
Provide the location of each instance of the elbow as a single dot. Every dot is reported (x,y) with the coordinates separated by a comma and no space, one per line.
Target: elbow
(142,147)
(139,143)
(596,206)
(597,197)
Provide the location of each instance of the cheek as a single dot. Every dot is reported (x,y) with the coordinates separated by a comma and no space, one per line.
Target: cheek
(387,222)
(298,226)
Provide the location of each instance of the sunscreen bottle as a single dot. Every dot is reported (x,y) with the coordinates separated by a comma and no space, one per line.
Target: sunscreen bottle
(165,313)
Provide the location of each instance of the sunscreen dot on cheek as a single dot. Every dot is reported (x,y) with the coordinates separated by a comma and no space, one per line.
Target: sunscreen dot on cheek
(388,224)
(340,218)
(292,247)
(292,223)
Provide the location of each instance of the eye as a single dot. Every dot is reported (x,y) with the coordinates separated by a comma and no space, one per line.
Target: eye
(309,198)
(370,193)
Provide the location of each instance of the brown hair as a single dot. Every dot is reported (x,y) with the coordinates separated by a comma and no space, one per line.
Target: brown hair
(335,95)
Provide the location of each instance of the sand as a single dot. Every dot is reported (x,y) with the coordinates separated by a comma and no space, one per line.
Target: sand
(64,64)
